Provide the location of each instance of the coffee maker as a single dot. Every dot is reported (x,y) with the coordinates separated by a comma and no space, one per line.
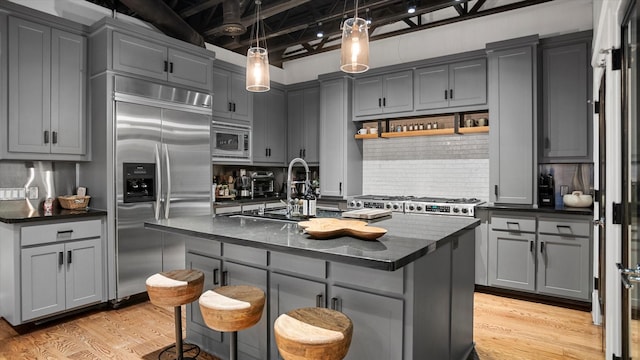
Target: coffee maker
(244,184)
(546,190)
(261,184)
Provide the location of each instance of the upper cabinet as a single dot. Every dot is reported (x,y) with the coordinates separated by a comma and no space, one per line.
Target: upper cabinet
(46,92)
(303,116)
(231,100)
(390,93)
(270,126)
(451,85)
(566,130)
(512,86)
(155,60)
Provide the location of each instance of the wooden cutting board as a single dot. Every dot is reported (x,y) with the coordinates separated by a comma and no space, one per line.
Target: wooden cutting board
(366,213)
(325,228)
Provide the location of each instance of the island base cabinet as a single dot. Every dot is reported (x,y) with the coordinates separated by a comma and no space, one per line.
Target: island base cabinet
(288,293)
(377,323)
(210,267)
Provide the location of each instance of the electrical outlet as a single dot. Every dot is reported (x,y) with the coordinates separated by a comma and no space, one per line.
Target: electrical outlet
(32,192)
(2,194)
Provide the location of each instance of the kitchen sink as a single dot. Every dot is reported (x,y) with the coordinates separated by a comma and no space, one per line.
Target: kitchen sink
(281,215)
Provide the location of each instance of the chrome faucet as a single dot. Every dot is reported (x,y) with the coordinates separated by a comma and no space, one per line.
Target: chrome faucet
(290,182)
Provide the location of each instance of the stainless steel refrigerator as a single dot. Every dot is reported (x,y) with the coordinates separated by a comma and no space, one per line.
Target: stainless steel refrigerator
(156,159)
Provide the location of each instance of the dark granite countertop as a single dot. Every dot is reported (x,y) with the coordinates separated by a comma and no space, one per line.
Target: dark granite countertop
(408,237)
(546,210)
(25,215)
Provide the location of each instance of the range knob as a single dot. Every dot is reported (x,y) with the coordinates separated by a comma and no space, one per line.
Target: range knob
(358,204)
(388,206)
(411,207)
(352,203)
(395,206)
(456,210)
(465,210)
(419,207)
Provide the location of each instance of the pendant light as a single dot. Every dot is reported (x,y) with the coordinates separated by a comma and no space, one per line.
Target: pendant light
(355,44)
(258,59)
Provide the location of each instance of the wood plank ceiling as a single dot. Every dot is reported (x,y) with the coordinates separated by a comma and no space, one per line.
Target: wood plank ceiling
(291,27)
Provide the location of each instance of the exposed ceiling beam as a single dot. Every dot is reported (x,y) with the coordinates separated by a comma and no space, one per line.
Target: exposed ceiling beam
(476,7)
(194,9)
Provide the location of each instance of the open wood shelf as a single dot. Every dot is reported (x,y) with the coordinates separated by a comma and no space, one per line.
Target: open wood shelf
(473,130)
(366,136)
(418,133)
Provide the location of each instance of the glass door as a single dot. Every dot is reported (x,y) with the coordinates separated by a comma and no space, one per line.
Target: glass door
(631,175)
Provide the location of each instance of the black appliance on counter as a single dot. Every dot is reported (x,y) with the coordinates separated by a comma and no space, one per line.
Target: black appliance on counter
(262,184)
(546,191)
(139,181)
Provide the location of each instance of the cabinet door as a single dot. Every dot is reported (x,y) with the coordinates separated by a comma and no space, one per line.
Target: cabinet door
(398,92)
(84,276)
(241,98)
(29,87)
(288,293)
(368,96)
(566,125)
(260,136)
(277,127)
(311,116)
(564,266)
(512,260)
(332,152)
(377,324)
(511,104)
(68,95)
(468,80)
(221,97)
(43,284)
(190,70)
(431,87)
(211,268)
(137,56)
(295,126)
(253,343)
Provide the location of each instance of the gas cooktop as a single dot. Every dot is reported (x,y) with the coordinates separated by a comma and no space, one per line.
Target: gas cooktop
(416,205)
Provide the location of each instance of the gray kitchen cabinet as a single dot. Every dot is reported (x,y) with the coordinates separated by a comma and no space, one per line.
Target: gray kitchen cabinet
(269,126)
(512,105)
(451,85)
(231,100)
(482,247)
(383,94)
(512,253)
(47,96)
(155,60)
(376,318)
(340,153)
(287,293)
(211,268)
(303,111)
(566,130)
(564,257)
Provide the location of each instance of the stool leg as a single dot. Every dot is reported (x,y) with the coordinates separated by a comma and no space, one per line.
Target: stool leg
(233,347)
(178,316)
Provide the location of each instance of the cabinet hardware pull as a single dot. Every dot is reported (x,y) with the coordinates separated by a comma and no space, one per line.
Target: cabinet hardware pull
(451,94)
(46,136)
(171,67)
(304,153)
(54,137)
(300,155)
(379,102)
(445,94)
(531,246)
(495,190)
(60,258)
(547,143)
(166,65)
(384,101)
(334,303)
(541,247)
(266,151)
(225,278)
(216,276)
(340,188)
(319,300)
(234,107)
(269,152)
(64,232)
(69,259)
(230,108)
(514,224)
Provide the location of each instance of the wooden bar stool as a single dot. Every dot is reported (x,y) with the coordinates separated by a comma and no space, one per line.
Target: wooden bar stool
(231,309)
(175,288)
(313,333)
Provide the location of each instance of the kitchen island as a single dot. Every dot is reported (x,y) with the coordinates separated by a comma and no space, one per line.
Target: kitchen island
(409,293)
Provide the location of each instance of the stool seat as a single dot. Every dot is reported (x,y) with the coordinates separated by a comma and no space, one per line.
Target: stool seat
(232,308)
(175,287)
(313,333)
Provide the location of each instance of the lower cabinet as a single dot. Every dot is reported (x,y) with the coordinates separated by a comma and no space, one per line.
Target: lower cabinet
(548,255)
(377,321)
(211,268)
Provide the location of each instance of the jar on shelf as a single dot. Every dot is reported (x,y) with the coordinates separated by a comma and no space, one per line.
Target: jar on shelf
(421,126)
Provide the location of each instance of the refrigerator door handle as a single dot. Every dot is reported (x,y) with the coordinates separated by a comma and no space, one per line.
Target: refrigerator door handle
(158,183)
(168,196)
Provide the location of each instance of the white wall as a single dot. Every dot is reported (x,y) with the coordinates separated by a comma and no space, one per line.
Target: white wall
(548,19)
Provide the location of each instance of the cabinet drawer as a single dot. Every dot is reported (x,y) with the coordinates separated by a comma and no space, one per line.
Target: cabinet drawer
(203,246)
(376,280)
(63,231)
(245,254)
(571,227)
(513,224)
(300,265)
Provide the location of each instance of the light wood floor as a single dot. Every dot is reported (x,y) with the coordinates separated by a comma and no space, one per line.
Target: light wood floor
(504,329)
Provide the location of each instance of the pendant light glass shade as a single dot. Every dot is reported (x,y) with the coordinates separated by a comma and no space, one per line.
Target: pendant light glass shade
(258,69)
(355,46)
(258,59)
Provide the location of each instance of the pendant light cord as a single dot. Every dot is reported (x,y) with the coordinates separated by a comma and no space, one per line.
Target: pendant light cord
(258,30)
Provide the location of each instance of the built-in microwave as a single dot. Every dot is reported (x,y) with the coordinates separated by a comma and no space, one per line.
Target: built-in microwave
(230,142)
